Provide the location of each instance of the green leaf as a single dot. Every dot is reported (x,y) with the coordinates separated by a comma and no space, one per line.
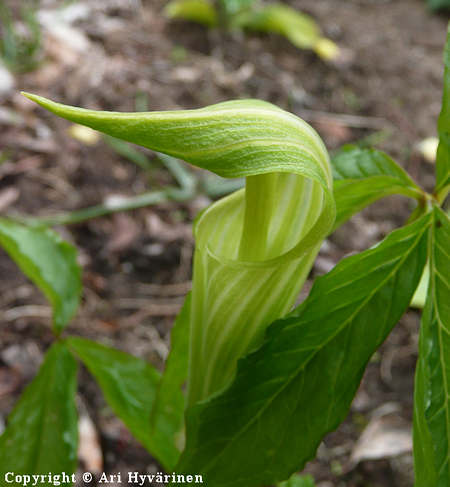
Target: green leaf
(298,481)
(201,11)
(362,176)
(438,4)
(129,385)
(233,7)
(42,432)
(299,384)
(297,27)
(443,152)
(432,390)
(168,410)
(49,262)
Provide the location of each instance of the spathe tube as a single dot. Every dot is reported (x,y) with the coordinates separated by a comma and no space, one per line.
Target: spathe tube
(282,216)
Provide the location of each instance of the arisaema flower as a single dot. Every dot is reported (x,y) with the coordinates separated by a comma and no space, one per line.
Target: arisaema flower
(255,247)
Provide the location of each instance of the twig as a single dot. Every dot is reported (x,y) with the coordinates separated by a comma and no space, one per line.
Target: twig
(141,303)
(151,311)
(115,204)
(111,205)
(176,289)
(27,311)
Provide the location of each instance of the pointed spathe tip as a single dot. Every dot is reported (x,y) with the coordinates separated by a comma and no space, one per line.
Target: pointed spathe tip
(30,96)
(40,100)
(48,104)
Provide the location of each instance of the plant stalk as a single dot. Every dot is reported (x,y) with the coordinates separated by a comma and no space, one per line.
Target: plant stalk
(260,202)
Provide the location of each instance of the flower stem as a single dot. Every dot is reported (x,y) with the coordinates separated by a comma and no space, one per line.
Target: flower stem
(260,203)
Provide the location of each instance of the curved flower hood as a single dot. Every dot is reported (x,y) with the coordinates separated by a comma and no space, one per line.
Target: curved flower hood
(255,247)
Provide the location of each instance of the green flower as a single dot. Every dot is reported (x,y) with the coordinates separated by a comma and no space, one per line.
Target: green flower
(254,248)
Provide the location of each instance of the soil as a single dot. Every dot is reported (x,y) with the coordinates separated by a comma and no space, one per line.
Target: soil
(137,265)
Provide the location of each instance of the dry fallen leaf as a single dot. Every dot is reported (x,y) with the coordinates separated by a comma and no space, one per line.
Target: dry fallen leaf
(8,196)
(385,436)
(89,450)
(125,232)
(166,232)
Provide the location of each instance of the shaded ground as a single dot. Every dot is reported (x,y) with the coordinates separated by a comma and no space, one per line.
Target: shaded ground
(137,265)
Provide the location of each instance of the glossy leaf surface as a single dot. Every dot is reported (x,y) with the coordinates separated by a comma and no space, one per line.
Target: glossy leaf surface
(443,152)
(49,262)
(129,385)
(362,176)
(167,417)
(42,430)
(300,383)
(432,390)
(298,481)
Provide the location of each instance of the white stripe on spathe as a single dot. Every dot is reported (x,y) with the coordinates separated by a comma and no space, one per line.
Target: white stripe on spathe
(249,265)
